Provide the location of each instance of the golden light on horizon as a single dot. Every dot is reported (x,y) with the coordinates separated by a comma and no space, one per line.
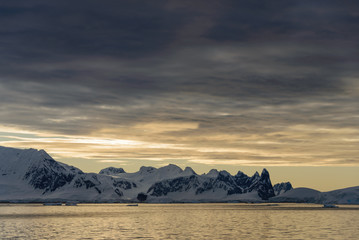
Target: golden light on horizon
(205,148)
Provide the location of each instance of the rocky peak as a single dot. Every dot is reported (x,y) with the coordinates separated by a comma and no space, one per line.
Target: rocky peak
(212,173)
(240,174)
(283,187)
(171,167)
(265,172)
(189,171)
(264,178)
(265,188)
(112,171)
(144,169)
(255,175)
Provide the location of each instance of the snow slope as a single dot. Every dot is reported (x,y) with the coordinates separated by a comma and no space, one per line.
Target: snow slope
(307,195)
(341,196)
(30,175)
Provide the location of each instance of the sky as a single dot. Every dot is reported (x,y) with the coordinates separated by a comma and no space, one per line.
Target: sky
(231,85)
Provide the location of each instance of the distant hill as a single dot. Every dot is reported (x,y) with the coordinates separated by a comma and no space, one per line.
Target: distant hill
(307,195)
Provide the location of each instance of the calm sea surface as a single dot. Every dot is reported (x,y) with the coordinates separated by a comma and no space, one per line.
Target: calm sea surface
(178,221)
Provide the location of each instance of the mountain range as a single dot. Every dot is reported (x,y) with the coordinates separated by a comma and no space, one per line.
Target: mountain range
(30,175)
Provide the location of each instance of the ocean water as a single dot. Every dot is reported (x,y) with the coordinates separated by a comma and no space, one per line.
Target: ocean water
(178,221)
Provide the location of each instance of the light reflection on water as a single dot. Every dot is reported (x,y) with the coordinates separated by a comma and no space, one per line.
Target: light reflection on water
(178,221)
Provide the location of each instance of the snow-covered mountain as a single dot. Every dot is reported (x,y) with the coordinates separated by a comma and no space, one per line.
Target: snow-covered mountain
(307,195)
(33,175)
(112,171)
(280,188)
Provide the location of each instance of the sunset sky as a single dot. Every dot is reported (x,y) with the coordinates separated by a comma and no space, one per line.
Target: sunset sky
(232,85)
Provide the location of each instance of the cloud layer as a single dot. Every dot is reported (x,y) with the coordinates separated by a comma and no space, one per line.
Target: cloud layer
(209,82)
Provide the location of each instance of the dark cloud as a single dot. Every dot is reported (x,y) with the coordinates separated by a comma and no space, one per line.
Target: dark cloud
(124,29)
(269,71)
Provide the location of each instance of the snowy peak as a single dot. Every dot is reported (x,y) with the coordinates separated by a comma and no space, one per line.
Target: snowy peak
(111,171)
(21,157)
(283,187)
(188,171)
(169,171)
(147,176)
(36,167)
(224,173)
(213,173)
(20,161)
(170,168)
(146,170)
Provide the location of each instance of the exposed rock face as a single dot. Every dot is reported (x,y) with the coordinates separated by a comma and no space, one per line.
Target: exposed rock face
(181,184)
(214,182)
(112,171)
(283,187)
(49,176)
(141,197)
(264,186)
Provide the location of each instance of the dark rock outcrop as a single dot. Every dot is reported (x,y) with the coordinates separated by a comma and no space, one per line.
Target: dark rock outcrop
(112,171)
(283,187)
